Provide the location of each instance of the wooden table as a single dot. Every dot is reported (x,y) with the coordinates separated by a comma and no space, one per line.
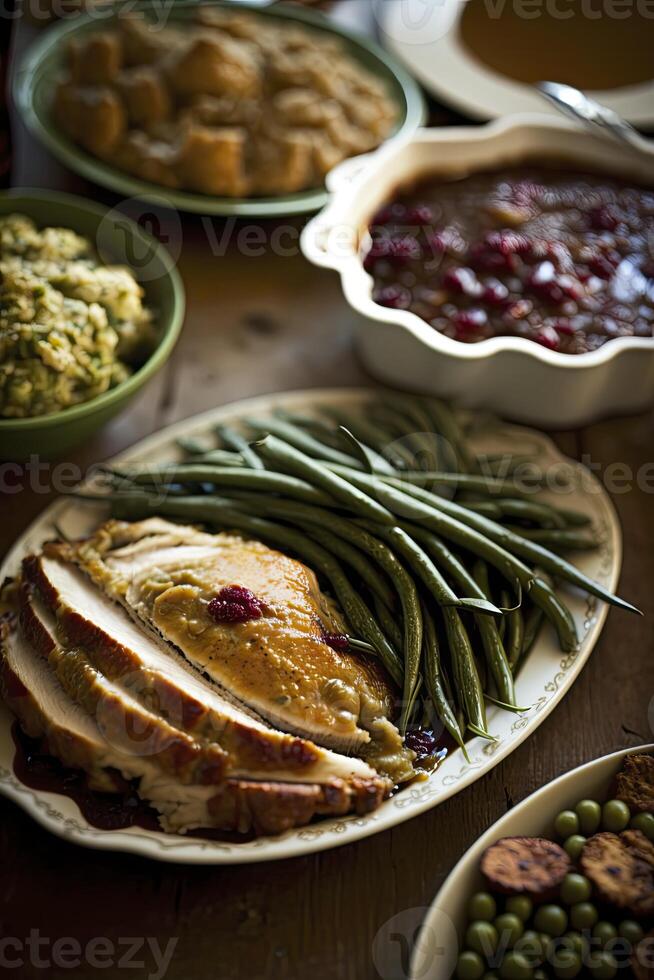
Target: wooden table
(263,324)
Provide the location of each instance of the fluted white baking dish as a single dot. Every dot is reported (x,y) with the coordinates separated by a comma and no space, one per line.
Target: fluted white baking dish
(513,376)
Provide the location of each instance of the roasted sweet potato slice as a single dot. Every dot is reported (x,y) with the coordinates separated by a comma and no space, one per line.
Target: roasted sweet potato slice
(634,784)
(621,867)
(532,866)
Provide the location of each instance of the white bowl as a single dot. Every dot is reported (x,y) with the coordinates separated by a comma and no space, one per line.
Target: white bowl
(437,945)
(513,376)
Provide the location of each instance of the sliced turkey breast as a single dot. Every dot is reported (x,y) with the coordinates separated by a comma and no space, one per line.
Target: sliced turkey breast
(60,607)
(32,690)
(278,662)
(123,721)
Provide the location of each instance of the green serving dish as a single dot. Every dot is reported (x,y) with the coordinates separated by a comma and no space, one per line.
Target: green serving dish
(117,239)
(35,77)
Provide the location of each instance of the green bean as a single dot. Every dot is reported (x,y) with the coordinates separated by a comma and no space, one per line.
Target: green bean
(542,595)
(425,569)
(447,424)
(461,481)
(574,518)
(531,510)
(438,550)
(529,550)
(465,672)
(220,457)
(299,439)
(301,465)
(363,429)
(486,507)
(433,672)
(424,439)
(234,440)
(388,623)
(370,460)
(191,446)
(533,622)
(220,476)
(347,553)
(223,513)
(480,575)
(557,540)
(416,511)
(318,427)
(514,636)
(491,639)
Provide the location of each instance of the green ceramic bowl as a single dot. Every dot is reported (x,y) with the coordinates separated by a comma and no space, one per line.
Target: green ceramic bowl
(117,239)
(33,87)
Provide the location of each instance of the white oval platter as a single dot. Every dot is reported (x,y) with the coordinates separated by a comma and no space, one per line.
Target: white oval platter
(546,677)
(437,945)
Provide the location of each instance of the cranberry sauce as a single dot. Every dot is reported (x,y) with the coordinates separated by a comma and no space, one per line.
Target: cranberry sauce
(235,604)
(564,259)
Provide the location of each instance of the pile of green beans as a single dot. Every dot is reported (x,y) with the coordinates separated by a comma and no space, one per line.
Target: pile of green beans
(442,566)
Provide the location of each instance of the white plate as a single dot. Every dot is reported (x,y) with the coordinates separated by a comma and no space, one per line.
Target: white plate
(437,945)
(424,35)
(546,677)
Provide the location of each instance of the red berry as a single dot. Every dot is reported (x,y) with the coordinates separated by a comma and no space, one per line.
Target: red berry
(462,280)
(471,319)
(495,293)
(547,338)
(337,641)
(394,297)
(603,218)
(235,604)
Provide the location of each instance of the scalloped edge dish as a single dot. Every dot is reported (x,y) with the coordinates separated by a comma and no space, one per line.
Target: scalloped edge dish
(512,376)
(545,679)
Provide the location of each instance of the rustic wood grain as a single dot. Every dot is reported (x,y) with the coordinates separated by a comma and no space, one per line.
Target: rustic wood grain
(258,325)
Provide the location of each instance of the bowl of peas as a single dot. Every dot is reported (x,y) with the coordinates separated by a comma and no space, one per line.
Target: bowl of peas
(561,887)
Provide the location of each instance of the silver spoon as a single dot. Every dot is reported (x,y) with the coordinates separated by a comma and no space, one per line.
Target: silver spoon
(595,116)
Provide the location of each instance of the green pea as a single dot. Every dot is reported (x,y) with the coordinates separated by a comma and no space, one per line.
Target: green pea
(615,816)
(532,945)
(481,937)
(509,928)
(515,966)
(566,823)
(583,915)
(490,975)
(540,975)
(551,919)
(574,845)
(575,888)
(569,966)
(577,943)
(521,906)
(563,959)
(631,931)
(589,813)
(470,966)
(603,966)
(482,906)
(605,932)
(645,823)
